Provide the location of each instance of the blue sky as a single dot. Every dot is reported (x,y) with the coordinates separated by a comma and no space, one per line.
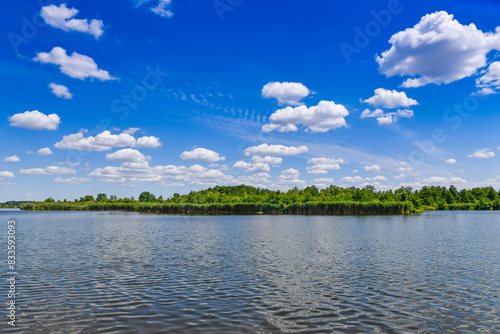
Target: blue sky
(172,96)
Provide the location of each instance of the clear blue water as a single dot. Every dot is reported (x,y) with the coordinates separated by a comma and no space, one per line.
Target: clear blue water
(111,272)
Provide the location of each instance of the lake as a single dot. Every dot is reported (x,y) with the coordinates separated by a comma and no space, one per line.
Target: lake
(115,272)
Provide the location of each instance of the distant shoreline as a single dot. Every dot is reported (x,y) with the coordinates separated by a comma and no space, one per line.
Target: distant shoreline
(247,200)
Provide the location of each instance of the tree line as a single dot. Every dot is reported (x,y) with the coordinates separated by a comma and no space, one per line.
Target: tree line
(309,200)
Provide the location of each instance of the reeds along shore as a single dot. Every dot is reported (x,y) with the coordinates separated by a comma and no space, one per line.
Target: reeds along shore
(342,209)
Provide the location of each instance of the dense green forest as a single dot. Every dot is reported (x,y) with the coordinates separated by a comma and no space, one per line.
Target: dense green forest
(311,200)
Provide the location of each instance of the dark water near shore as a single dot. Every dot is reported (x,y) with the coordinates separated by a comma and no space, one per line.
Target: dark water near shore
(111,272)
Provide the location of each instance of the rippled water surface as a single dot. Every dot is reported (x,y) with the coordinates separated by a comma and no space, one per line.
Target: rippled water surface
(108,272)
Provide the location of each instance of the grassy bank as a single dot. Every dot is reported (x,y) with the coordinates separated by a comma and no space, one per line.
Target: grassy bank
(342,209)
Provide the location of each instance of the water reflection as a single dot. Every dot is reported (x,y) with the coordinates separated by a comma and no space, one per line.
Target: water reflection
(125,272)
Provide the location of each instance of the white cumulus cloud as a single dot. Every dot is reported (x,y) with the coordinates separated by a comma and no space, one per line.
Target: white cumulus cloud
(387,118)
(267,160)
(71,180)
(60,91)
(490,81)
(252,167)
(12,158)
(484,153)
(127,155)
(147,142)
(279,127)
(289,178)
(6,174)
(353,179)
(287,93)
(323,165)
(372,168)
(390,99)
(451,161)
(35,120)
(323,182)
(76,66)
(168,175)
(258,168)
(241,164)
(275,150)
(105,141)
(437,50)
(317,161)
(131,131)
(63,17)
(376,178)
(403,169)
(256,180)
(359,179)
(50,170)
(322,168)
(44,151)
(327,115)
(444,180)
(202,154)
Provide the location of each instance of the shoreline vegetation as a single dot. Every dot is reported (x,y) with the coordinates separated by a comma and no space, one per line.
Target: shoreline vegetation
(247,200)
